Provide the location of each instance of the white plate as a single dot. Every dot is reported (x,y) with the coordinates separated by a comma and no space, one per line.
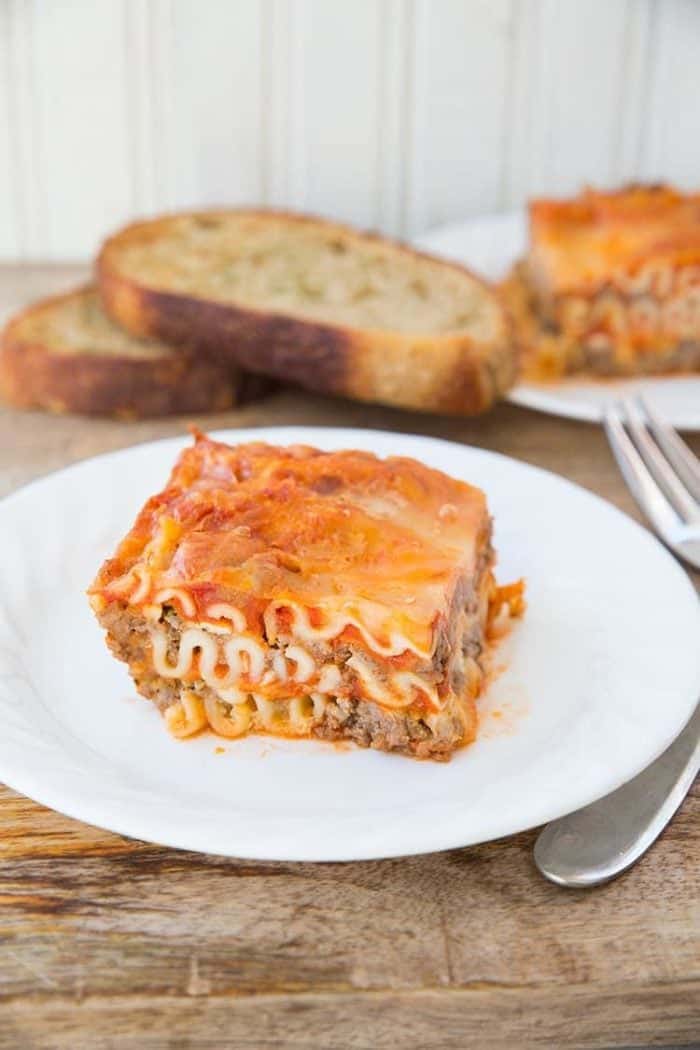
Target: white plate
(490,245)
(600,676)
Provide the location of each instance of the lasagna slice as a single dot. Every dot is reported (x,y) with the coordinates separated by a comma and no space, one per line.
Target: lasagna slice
(307,593)
(611,284)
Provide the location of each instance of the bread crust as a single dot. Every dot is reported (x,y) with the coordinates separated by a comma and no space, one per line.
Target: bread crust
(33,375)
(447,372)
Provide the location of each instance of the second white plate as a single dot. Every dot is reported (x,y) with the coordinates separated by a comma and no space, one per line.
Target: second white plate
(490,245)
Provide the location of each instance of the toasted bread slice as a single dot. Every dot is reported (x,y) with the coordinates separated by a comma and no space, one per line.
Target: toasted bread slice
(314,302)
(65,355)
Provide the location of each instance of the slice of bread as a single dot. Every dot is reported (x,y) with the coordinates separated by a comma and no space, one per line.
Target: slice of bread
(313,302)
(65,355)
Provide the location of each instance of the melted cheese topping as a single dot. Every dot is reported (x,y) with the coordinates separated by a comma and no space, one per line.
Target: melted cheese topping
(303,546)
(633,239)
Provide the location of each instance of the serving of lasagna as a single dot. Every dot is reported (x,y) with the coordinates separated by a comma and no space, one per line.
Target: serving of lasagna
(610,285)
(306,593)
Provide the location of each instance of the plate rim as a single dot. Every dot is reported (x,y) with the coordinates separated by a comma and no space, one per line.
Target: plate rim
(85,811)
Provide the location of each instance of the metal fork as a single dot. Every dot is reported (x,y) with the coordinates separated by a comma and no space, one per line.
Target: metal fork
(662,474)
(602,840)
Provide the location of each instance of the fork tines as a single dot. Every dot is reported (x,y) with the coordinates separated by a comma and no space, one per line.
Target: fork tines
(662,473)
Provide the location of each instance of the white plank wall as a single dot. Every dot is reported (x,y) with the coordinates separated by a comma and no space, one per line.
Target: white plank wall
(395,114)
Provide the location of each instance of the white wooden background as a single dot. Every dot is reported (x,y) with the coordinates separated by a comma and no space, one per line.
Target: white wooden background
(397,114)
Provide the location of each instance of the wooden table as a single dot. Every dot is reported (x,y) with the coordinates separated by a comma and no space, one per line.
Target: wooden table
(111,943)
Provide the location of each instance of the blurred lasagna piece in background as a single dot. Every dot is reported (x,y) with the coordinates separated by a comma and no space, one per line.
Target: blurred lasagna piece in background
(610,285)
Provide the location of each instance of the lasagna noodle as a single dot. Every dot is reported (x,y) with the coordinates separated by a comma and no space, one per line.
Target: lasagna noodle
(242,664)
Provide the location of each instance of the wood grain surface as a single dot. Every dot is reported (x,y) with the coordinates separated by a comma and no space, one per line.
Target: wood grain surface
(110,943)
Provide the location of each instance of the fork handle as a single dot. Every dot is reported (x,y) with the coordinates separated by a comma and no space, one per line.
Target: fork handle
(602,840)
